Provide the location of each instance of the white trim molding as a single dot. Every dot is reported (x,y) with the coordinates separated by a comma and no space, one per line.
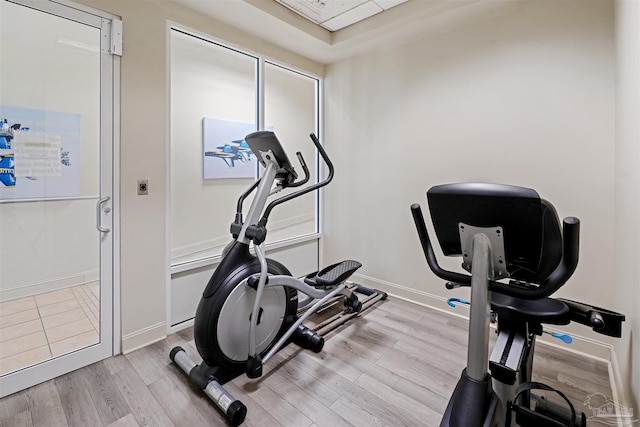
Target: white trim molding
(144,337)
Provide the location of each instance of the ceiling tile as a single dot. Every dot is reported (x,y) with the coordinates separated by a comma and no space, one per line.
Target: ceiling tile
(336,14)
(352,16)
(320,11)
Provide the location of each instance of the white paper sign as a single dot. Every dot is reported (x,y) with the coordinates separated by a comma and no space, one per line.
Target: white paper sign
(37,154)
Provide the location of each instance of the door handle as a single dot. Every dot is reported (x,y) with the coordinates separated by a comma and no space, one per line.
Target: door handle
(107,210)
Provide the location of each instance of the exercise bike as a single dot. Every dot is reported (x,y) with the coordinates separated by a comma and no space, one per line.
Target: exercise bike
(507,233)
(250,309)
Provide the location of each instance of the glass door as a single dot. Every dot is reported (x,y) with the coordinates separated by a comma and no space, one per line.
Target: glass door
(56,191)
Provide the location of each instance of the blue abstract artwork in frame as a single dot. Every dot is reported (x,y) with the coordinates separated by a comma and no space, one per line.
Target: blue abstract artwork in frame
(225,152)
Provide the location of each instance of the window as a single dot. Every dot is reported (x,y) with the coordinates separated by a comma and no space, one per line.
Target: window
(291,110)
(216,89)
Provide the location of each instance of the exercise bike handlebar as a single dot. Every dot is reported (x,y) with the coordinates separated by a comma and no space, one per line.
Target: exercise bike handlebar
(564,270)
(327,160)
(425,241)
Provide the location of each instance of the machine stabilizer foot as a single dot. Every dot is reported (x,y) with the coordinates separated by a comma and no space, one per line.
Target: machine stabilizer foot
(308,339)
(234,410)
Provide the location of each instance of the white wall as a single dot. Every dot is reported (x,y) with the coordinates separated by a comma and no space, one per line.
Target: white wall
(522,95)
(627,283)
(144,138)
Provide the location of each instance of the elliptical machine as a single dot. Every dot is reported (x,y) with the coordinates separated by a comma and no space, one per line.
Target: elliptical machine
(507,232)
(250,309)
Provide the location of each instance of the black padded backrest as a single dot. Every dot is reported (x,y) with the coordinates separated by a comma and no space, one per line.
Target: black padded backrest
(551,247)
(531,230)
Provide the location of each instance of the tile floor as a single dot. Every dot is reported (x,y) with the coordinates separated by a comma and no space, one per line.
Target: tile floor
(36,328)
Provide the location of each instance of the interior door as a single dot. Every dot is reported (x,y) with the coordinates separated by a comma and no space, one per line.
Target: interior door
(56,190)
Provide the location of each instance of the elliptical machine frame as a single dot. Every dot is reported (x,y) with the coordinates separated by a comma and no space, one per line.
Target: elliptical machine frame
(250,309)
(507,232)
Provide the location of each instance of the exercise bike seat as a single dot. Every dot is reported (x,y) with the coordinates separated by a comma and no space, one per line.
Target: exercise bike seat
(545,310)
(332,275)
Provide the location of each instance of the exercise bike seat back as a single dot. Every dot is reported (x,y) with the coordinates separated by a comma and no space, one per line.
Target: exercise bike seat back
(529,230)
(540,255)
(533,240)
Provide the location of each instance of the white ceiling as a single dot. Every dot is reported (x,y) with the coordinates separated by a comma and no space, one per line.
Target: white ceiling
(279,25)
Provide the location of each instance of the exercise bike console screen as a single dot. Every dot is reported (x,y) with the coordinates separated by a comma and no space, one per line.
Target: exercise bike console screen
(517,210)
(264,141)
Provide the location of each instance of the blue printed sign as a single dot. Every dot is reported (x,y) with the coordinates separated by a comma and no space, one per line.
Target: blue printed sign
(39,153)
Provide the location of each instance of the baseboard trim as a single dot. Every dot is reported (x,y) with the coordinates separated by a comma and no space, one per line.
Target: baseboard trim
(36,288)
(426,299)
(619,395)
(584,346)
(144,337)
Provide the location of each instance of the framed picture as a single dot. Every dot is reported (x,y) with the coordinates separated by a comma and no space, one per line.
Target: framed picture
(225,152)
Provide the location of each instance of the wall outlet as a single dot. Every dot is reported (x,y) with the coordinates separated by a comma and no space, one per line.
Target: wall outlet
(143,187)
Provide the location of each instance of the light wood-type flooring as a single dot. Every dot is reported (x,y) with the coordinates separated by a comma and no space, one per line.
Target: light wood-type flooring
(394,366)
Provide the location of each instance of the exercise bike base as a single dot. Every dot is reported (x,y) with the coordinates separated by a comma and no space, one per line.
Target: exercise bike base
(471,405)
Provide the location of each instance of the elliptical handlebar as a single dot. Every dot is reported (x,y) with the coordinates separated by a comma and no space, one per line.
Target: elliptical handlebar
(305,169)
(325,157)
(564,270)
(241,199)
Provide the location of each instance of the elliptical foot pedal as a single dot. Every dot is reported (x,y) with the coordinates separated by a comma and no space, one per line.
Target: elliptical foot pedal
(333,275)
